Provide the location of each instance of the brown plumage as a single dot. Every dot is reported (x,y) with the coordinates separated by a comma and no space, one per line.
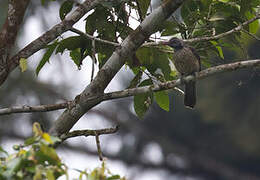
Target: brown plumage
(187,62)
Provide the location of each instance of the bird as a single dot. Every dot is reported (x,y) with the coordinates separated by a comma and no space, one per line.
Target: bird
(187,62)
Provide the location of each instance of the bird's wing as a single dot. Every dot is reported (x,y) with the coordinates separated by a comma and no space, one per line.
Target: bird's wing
(196,55)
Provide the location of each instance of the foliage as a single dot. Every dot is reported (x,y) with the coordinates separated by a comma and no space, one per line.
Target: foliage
(111,22)
(100,173)
(37,159)
(23,64)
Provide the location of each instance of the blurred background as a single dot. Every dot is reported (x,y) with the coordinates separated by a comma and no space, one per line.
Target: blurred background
(217,140)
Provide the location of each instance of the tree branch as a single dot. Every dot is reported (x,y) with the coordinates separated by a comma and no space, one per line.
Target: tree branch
(207,38)
(218,36)
(47,37)
(134,91)
(93,37)
(89,132)
(8,33)
(208,165)
(30,109)
(236,29)
(171,84)
(96,88)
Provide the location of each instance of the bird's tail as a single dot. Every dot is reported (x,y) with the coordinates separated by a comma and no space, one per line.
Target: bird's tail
(190,94)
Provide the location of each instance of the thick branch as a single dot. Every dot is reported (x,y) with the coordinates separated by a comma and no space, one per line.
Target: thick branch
(150,24)
(134,91)
(8,33)
(47,37)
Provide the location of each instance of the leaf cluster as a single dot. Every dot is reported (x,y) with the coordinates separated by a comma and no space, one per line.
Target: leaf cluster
(37,159)
(111,21)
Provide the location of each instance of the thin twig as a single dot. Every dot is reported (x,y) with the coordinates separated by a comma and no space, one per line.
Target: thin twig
(94,60)
(89,132)
(251,34)
(206,38)
(236,29)
(99,148)
(86,133)
(139,90)
(93,37)
(30,109)
(48,36)
(171,84)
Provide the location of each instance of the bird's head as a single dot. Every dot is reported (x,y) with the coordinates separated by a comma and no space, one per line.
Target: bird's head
(174,43)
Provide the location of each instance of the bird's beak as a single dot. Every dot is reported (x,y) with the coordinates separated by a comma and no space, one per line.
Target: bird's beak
(165,43)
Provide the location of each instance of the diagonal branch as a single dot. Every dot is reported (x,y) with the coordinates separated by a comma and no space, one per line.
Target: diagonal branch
(96,88)
(47,37)
(236,29)
(139,90)
(218,36)
(206,38)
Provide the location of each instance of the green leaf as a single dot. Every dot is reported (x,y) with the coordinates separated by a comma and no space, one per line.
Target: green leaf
(169,28)
(47,154)
(13,166)
(98,21)
(72,43)
(50,175)
(219,48)
(254,26)
(65,8)
(38,173)
(136,80)
(114,177)
(143,5)
(162,99)
(3,151)
(23,64)
(30,141)
(224,1)
(50,152)
(76,56)
(154,59)
(110,4)
(142,102)
(46,56)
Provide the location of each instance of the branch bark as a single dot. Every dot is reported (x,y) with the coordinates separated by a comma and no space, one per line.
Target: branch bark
(134,91)
(81,103)
(8,33)
(205,38)
(30,109)
(89,132)
(47,37)
(236,29)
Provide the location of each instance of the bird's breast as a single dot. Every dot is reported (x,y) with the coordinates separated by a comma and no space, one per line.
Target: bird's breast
(185,61)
